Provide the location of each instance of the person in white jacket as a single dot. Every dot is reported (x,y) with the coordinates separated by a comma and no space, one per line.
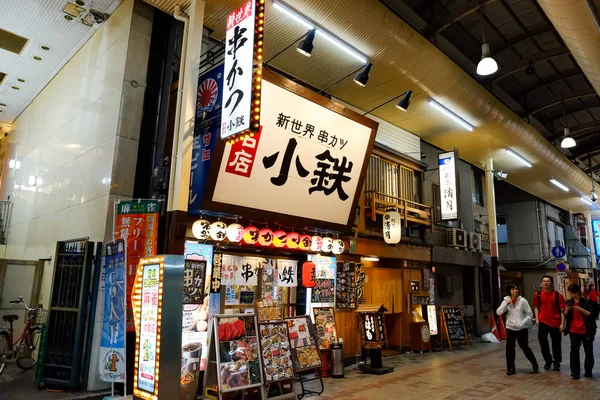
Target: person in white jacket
(518,321)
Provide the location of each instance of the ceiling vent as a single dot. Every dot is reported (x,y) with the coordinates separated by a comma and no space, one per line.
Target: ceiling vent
(2,76)
(11,42)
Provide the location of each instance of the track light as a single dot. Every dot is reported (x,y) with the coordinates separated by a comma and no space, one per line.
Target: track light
(530,68)
(451,115)
(363,76)
(519,157)
(487,65)
(558,184)
(404,101)
(306,46)
(567,142)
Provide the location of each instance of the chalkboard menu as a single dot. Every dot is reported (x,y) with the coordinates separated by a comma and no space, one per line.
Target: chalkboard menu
(246,297)
(345,292)
(454,325)
(323,292)
(193,281)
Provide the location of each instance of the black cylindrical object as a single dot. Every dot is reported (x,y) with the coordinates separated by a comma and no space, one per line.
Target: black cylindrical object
(337,361)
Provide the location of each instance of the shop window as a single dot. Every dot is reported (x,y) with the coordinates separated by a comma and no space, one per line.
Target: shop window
(445,285)
(392,180)
(477,185)
(501,230)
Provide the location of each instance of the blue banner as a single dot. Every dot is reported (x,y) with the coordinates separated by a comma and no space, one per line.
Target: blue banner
(206,133)
(112,345)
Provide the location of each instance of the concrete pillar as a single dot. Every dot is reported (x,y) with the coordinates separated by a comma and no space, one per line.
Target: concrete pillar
(491,210)
(179,185)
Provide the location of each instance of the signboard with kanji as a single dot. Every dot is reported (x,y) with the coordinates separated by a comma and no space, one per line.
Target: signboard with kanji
(448,188)
(307,161)
(193,281)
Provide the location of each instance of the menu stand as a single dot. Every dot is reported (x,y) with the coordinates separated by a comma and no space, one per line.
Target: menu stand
(453,326)
(303,379)
(372,323)
(281,386)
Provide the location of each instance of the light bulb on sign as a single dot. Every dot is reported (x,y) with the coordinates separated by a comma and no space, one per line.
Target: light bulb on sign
(235,233)
(251,235)
(218,230)
(317,244)
(293,241)
(327,245)
(279,238)
(200,229)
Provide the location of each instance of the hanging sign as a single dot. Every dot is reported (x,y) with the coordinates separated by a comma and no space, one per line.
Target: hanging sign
(447,176)
(305,153)
(309,277)
(243,49)
(112,345)
(392,228)
(286,273)
(137,224)
(215,280)
(247,272)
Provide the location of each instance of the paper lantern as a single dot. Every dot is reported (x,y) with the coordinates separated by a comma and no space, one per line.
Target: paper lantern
(293,240)
(201,229)
(251,235)
(327,246)
(317,243)
(279,238)
(218,230)
(338,246)
(235,233)
(309,274)
(265,237)
(392,230)
(305,242)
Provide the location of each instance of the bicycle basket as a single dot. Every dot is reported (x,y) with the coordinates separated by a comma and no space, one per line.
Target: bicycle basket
(41,317)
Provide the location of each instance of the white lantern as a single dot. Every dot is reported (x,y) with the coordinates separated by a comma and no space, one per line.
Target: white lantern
(338,246)
(316,244)
(327,245)
(200,229)
(235,233)
(392,228)
(218,230)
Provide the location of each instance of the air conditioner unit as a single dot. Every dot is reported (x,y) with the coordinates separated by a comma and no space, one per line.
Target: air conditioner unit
(474,241)
(456,238)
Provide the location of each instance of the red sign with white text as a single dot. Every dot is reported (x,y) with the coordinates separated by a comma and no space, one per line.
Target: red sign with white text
(242,156)
(237,16)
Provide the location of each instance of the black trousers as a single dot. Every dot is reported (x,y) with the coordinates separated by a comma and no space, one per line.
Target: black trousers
(588,349)
(543,332)
(521,337)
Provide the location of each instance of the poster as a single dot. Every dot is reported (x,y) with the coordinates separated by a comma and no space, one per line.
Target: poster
(275,345)
(323,292)
(148,328)
(112,345)
(324,267)
(287,273)
(193,281)
(238,363)
(345,292)
(137,224)
(303,342)
(206,135)
(325,326)
(269,279)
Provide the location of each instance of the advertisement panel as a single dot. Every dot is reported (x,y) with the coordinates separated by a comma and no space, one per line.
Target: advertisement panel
(448,194)
(148,328)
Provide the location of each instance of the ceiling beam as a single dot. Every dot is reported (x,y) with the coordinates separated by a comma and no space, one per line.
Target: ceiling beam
(574,96)
(524,37)
(469,8)
(576,130)
(546,55)
(583,149)
(550,81)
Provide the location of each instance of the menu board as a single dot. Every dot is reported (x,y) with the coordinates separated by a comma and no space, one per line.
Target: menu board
(303,342)
(325,326)
(268,310)
(369,327)
(246,297)
(454,323)
(323,292)
(238,363)
(345,292)
(276,354)
(148,328)
(193,281)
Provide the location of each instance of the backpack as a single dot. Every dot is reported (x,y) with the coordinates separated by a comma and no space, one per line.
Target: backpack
(539,299)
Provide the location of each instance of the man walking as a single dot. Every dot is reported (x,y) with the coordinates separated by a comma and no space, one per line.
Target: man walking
(549,306)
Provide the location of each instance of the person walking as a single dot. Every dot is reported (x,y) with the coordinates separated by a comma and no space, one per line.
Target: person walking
(592,294)
(581,328)
(549,305)
(518,321)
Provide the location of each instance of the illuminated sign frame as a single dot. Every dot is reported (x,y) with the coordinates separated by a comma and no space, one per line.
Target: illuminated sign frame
(447,170)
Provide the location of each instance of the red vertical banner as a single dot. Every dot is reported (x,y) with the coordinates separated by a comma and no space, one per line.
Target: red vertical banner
(137,224)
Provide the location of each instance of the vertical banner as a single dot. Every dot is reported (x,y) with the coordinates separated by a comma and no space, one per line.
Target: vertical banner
(112,345)
(287,273)
(448,190)
(137,225)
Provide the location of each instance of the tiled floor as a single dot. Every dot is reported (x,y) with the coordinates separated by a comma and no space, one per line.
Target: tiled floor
(475,374)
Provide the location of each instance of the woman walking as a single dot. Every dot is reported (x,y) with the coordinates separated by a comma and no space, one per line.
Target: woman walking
(518,321)
(581,328)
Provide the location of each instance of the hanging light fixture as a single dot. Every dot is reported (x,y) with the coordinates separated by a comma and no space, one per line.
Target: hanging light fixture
(362,77)
(404,101)
(567,142)
(306,46)
(487,65)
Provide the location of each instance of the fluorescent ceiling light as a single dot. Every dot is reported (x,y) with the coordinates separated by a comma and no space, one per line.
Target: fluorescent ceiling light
(325,35)
(371,258)
(451,115)
(519,157)
(558,184)
(586,200)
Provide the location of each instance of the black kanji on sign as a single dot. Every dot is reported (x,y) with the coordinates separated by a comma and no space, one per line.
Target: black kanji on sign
(329,182)
(281,179)
(287,275)
(237,41)
(247,272)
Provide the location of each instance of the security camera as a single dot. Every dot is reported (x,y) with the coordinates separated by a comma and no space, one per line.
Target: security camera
(594,197)
(500,175)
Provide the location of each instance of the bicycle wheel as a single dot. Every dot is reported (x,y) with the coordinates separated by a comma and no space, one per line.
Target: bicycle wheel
(32,342)
(3,350)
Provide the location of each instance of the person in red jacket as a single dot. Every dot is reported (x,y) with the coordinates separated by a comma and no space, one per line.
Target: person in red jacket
(581,327)
(591,294)
(549,306)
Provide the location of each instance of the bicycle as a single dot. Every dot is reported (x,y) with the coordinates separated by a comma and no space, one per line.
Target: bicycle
(23,351)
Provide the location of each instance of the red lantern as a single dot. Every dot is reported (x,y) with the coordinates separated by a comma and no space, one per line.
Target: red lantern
(265,237)
(293,240)
(309,274)
(251,235)
(279,238)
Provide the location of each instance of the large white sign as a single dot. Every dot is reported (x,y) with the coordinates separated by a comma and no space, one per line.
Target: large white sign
(239,57)
(305,161)
(448,195)
(148,328)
